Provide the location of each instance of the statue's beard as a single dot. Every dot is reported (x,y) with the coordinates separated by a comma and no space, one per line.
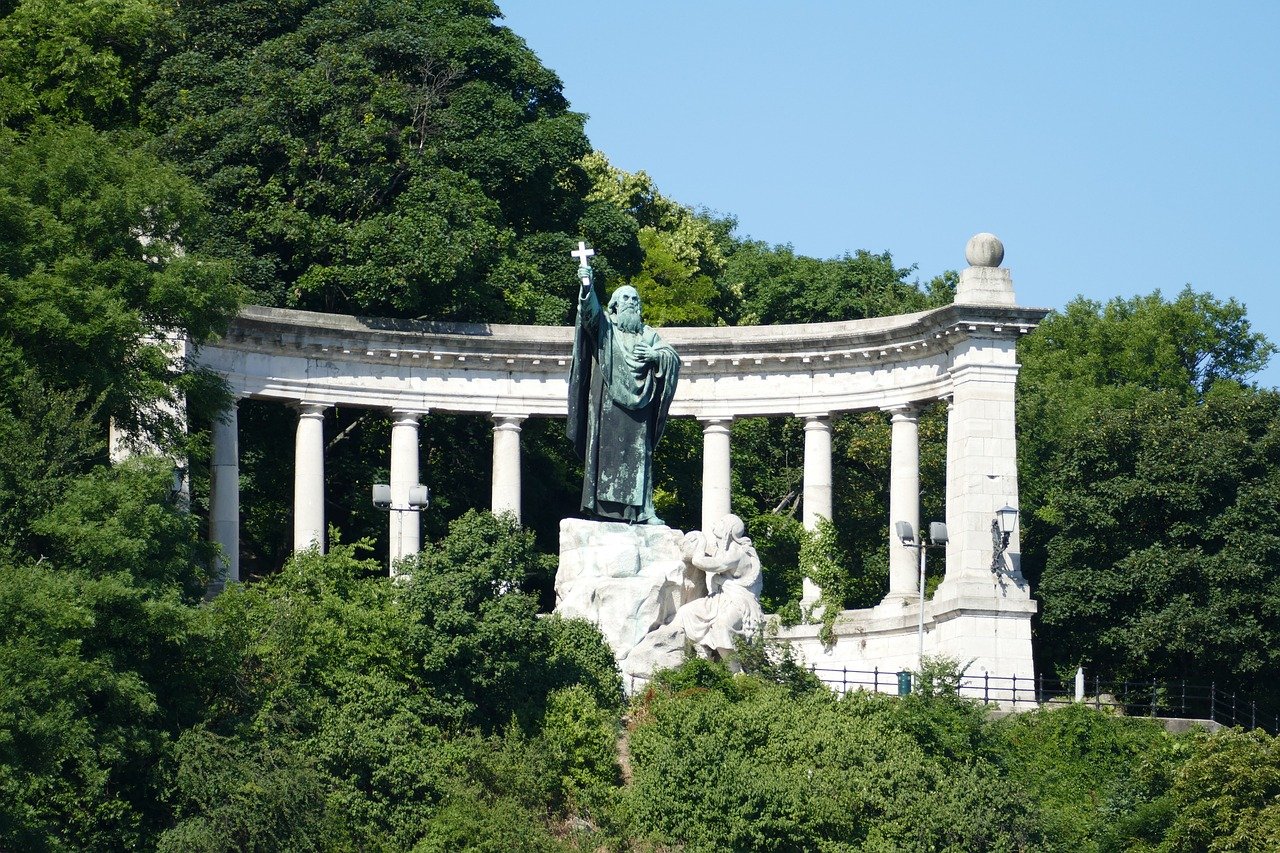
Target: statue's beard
(628,320)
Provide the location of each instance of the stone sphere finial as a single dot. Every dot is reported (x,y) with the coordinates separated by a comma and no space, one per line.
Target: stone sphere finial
(984,250)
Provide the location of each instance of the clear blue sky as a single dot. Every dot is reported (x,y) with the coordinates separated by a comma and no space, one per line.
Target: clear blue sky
(1115,147)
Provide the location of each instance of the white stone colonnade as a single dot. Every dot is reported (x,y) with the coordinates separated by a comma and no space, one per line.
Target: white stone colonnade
(963,353)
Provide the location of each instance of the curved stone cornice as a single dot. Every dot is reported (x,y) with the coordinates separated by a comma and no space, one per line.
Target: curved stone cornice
(288,355)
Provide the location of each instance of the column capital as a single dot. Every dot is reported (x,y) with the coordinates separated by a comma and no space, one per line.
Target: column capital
(509,423)
(711,426)
(817,422)
(983,372)
(307,409)
(404,415)
(903,412)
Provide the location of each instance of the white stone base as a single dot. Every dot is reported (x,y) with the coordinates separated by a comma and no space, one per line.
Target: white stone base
(626,578)
(989,637)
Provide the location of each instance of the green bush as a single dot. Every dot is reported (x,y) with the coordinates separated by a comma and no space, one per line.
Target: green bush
(1080,768)
(755,767)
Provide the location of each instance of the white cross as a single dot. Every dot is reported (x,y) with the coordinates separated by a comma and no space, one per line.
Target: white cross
(582,253)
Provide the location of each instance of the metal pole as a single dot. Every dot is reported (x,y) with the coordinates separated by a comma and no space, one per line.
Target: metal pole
(920,633)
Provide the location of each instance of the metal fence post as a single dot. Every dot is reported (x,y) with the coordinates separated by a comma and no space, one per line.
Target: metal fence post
(1097,692)
(1213,700)
(1153,697)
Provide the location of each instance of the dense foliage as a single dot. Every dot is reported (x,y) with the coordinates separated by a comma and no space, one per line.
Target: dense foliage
(1149,468)
(162,162)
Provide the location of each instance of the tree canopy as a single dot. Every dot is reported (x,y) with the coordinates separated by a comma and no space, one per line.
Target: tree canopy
(162,162)
(1147,464)
(394,158)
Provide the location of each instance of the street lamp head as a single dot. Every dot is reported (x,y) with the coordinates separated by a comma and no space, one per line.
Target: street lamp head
(1007,519)
(419,496)
(905,532)
(938,533)
(382,496)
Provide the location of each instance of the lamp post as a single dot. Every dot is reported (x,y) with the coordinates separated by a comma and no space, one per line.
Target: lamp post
(417,500)
(1002,527)
(937,539)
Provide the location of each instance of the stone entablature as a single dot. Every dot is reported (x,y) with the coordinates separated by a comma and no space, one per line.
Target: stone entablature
(727,372)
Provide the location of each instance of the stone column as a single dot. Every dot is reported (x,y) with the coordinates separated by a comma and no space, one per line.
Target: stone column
(716,480)
(904,500)
(506,464)
(224,497)
(405,527)
(982,472)
(308,478)
(817,485)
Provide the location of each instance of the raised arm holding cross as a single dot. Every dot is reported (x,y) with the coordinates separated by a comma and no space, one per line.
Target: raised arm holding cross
(583,254)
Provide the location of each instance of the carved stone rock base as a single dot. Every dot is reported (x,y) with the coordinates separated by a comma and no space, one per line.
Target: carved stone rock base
(626,578)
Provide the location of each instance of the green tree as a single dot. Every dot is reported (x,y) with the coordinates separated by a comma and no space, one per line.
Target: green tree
(1147,465)
(1165,534)
(681,250)
(92,267)
(1083,769)
(392,158)
(398,713)
(779,286)
(1224,797)
(104,661)
(76,62)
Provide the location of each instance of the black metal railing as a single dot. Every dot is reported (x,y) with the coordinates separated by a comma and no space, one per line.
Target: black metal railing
(1150,698)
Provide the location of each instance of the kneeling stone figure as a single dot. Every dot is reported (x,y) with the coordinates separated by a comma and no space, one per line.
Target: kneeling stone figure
(731,608)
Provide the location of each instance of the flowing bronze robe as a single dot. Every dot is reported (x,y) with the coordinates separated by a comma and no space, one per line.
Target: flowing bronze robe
(617,411)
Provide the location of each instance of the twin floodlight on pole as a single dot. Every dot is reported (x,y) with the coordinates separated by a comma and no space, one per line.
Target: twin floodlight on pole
(419,498)
(937,539)
(1002,527)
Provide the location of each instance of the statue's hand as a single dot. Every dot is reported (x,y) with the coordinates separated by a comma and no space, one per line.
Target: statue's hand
(584,271)
(693,545)
(645,353)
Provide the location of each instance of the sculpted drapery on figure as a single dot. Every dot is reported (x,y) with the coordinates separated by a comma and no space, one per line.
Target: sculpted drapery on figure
(713,624)
(731,608)
(620,389)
